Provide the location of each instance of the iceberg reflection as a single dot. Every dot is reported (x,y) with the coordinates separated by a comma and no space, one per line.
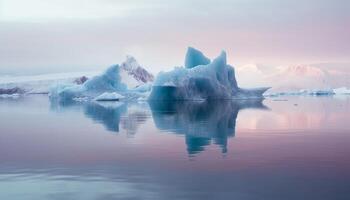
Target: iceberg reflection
(106,113)
(114,116)
(202,123)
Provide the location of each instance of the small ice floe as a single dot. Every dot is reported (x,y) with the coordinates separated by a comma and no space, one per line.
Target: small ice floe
(341,91)
(109,96)
(326,92)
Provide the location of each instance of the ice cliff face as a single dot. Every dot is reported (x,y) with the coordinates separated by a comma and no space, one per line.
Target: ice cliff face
(201,79)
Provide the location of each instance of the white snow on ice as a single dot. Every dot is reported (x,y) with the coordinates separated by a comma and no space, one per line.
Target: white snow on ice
(109,96)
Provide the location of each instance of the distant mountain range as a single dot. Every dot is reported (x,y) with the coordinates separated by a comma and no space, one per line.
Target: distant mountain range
(131,73)
(295,77)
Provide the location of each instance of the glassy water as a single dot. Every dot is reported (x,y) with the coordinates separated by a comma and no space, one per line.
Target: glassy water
(290,148)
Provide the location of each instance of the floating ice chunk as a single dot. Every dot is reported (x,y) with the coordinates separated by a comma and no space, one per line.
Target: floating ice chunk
(304,92)
(325,92)
(65,91)
(128,79)
(109,81)
(215,80)
(109,96)
(195,58)
(342,90)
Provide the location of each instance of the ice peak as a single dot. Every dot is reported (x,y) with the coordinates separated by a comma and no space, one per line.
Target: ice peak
(195,57)
(130,58)
(220,60)
(215,80)
(130,63)
(134,69)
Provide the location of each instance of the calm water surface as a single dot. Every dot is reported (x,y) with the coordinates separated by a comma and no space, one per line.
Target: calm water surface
(290,148)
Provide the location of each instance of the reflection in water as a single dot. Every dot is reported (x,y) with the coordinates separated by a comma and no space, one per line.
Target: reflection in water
(201,122)
(111,115)
(107,114)
(45,155)
(135,117)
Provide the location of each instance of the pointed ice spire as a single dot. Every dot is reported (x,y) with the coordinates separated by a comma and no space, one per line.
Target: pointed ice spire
(220,63)
(221,59)
(194,58)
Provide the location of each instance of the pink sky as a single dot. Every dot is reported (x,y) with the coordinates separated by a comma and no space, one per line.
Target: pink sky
(59,36)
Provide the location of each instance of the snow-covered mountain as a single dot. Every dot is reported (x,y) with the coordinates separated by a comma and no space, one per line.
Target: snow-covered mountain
(300,77)
(40,84)
(304,70)
(133,74)
(294,77)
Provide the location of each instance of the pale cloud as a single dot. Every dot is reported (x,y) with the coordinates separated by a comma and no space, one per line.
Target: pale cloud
(60,35)
(46,10)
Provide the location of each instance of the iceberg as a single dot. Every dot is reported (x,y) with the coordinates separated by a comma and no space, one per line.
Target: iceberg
(303,92)
(195,58)
(201,79)
(109,81)
(127,80)
(342,90)
(317,92)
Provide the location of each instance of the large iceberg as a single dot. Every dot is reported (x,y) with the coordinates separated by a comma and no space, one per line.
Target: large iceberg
(128,79)
(201,79)
(194,58)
